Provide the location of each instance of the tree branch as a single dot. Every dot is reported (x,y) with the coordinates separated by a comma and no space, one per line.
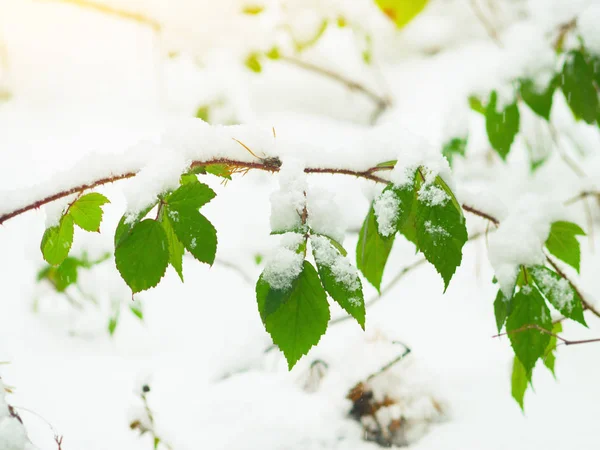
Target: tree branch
(550,333)
(381,102)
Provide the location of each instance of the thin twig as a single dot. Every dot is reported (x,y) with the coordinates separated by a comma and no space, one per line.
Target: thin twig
(381,102)
(550,333)
(112,11)
(570,162)
(394,361)
(477,213)
(489,27)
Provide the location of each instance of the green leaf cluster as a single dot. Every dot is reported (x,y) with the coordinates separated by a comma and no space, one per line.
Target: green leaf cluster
(429,216)
(145,247)
(296,316)
(85,212)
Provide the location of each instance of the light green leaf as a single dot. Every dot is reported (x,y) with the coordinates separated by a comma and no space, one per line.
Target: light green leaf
(529,308)
(339,278)
(62,276)
(112,324)
(203,113)
(476,104)
(87,211)
(253,62)
(519,381)
(296,318)
(137,311)
(441,230)
(558,292)
(401,12)
(176,248)
(143,255)
(190,195)
(550,353)
(306,44)
(219,170)
(563,244)
(57,241)
(578,86)
(501,126)
(372,250)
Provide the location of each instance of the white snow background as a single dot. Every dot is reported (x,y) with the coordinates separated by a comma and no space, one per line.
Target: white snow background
(99,94)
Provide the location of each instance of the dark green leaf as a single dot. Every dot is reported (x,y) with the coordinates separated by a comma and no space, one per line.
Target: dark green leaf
(87,211)
(563,244)
(559,292)
(372,250)
(519,381)
(194,231)
(126,224)
(441,230)
(339,278)
(456,146)
(502,308)
(143,255)
(529,344)
(578,86)
(57,241)
(501,126)
(176,248)
(539,102)
(301,315)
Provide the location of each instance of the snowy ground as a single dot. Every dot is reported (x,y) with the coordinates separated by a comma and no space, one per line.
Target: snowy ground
(83,83)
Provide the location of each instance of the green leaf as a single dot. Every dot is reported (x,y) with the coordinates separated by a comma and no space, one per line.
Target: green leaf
(126,224)
(112,324)
(563,244)
(401,12)
(253,62)
(192,195)
(137,311)
(219,170)
(441,230)
(456,146)
(539,102)
(529,308)
(193,230)
(62,276)
(578,87)
(502,309)
(142,257)
(391,163)
(57,241)
(87,212)
(274,53)
(519,381)
(501,126)
(550,353)
(176,248)
(559,292)
(339,278)
(203,112)
(301,315)
(476,104)
(372,250)
(333,242)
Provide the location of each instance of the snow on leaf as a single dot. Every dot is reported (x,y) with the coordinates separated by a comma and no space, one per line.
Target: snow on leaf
(301,316)
(386,208)
(288,202)
(339,277)
(372,250)
(559,292)
(285,264)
